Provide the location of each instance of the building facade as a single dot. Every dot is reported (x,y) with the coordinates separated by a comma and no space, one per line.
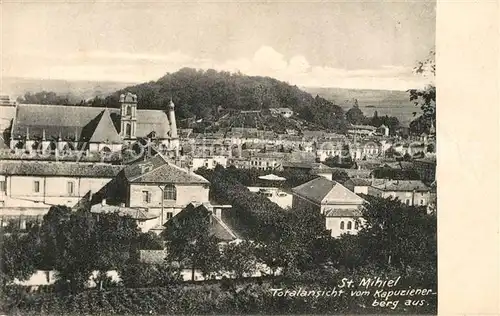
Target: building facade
(340,207)
(62,128)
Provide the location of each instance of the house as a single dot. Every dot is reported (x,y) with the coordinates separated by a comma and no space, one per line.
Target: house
(410,192)
(156,185)
(209,162)
(30,188)
(383,130)
(145,220)
(426,168)
(358,185)
(212,214)
(341,207)
(361,130)
(285,112)
(60,128)
(315,168)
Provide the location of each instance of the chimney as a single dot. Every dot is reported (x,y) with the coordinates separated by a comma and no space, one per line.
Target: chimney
(171,118)
(217,212)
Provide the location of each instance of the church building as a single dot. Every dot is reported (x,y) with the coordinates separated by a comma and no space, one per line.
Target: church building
(57,128)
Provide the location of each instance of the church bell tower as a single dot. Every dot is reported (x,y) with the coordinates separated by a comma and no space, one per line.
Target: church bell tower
(128,121)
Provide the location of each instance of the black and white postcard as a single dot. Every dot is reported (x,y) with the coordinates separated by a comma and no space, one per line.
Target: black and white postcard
(219,158)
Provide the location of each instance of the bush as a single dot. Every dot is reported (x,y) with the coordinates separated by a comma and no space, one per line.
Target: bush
(149,275)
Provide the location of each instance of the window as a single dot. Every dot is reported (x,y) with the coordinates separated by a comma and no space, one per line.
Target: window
(422,202)
(349,225)
(170,192)
(70,187)
(128,110)
(356,225)
(169,215)
(146,196)
(3,186)
(128,131)
(36,186)
(407,201)
(342,225)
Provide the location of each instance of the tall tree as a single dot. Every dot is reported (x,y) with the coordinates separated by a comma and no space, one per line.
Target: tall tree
(425,98)
(18,254)
(190,243)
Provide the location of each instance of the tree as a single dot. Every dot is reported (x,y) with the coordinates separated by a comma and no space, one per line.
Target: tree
(425,98)
(189,241)
(340,176)
(18,257)
(138,275)
(239,259)
(399,236)
(77,243)
(355,116)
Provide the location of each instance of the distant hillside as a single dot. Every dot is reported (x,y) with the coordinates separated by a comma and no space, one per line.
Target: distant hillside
(74,90)
(385,102)
(205,94)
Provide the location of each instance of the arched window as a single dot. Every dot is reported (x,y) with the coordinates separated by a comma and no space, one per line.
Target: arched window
(349,225)
(342,225)
(128,110)
(356,225)
(128,130)
(170,192)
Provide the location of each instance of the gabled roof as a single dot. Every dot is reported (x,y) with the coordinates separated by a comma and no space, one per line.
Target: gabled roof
(324,191)
(400,185)
(343,213)
(158,170)
(217,227)
(61,169)
(137,214)
(152,120)
(105,131)
(66,120)
(359,181)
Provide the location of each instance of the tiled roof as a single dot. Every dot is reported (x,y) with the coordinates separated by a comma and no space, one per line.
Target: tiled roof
(68,120)
(343,213)
(359,181)
(427,159)
(321,190)
(55,120)
(306,165)
(152,120)
(158,170)
(105,131)
(400,185)
(137,214)
(217,227)
(68,169)
(367,127)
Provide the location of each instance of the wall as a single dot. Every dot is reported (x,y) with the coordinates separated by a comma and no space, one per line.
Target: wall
(403,196)
(361,190)
(333,224)
(52,190)
(185,195)
(284,201)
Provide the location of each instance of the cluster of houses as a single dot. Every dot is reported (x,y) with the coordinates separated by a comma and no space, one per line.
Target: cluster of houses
(156,188)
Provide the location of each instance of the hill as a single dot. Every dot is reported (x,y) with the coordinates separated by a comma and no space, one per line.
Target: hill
(75,91)
(385,102)
(206,94)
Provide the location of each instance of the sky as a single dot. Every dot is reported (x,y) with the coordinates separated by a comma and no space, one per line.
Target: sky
(359,44)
